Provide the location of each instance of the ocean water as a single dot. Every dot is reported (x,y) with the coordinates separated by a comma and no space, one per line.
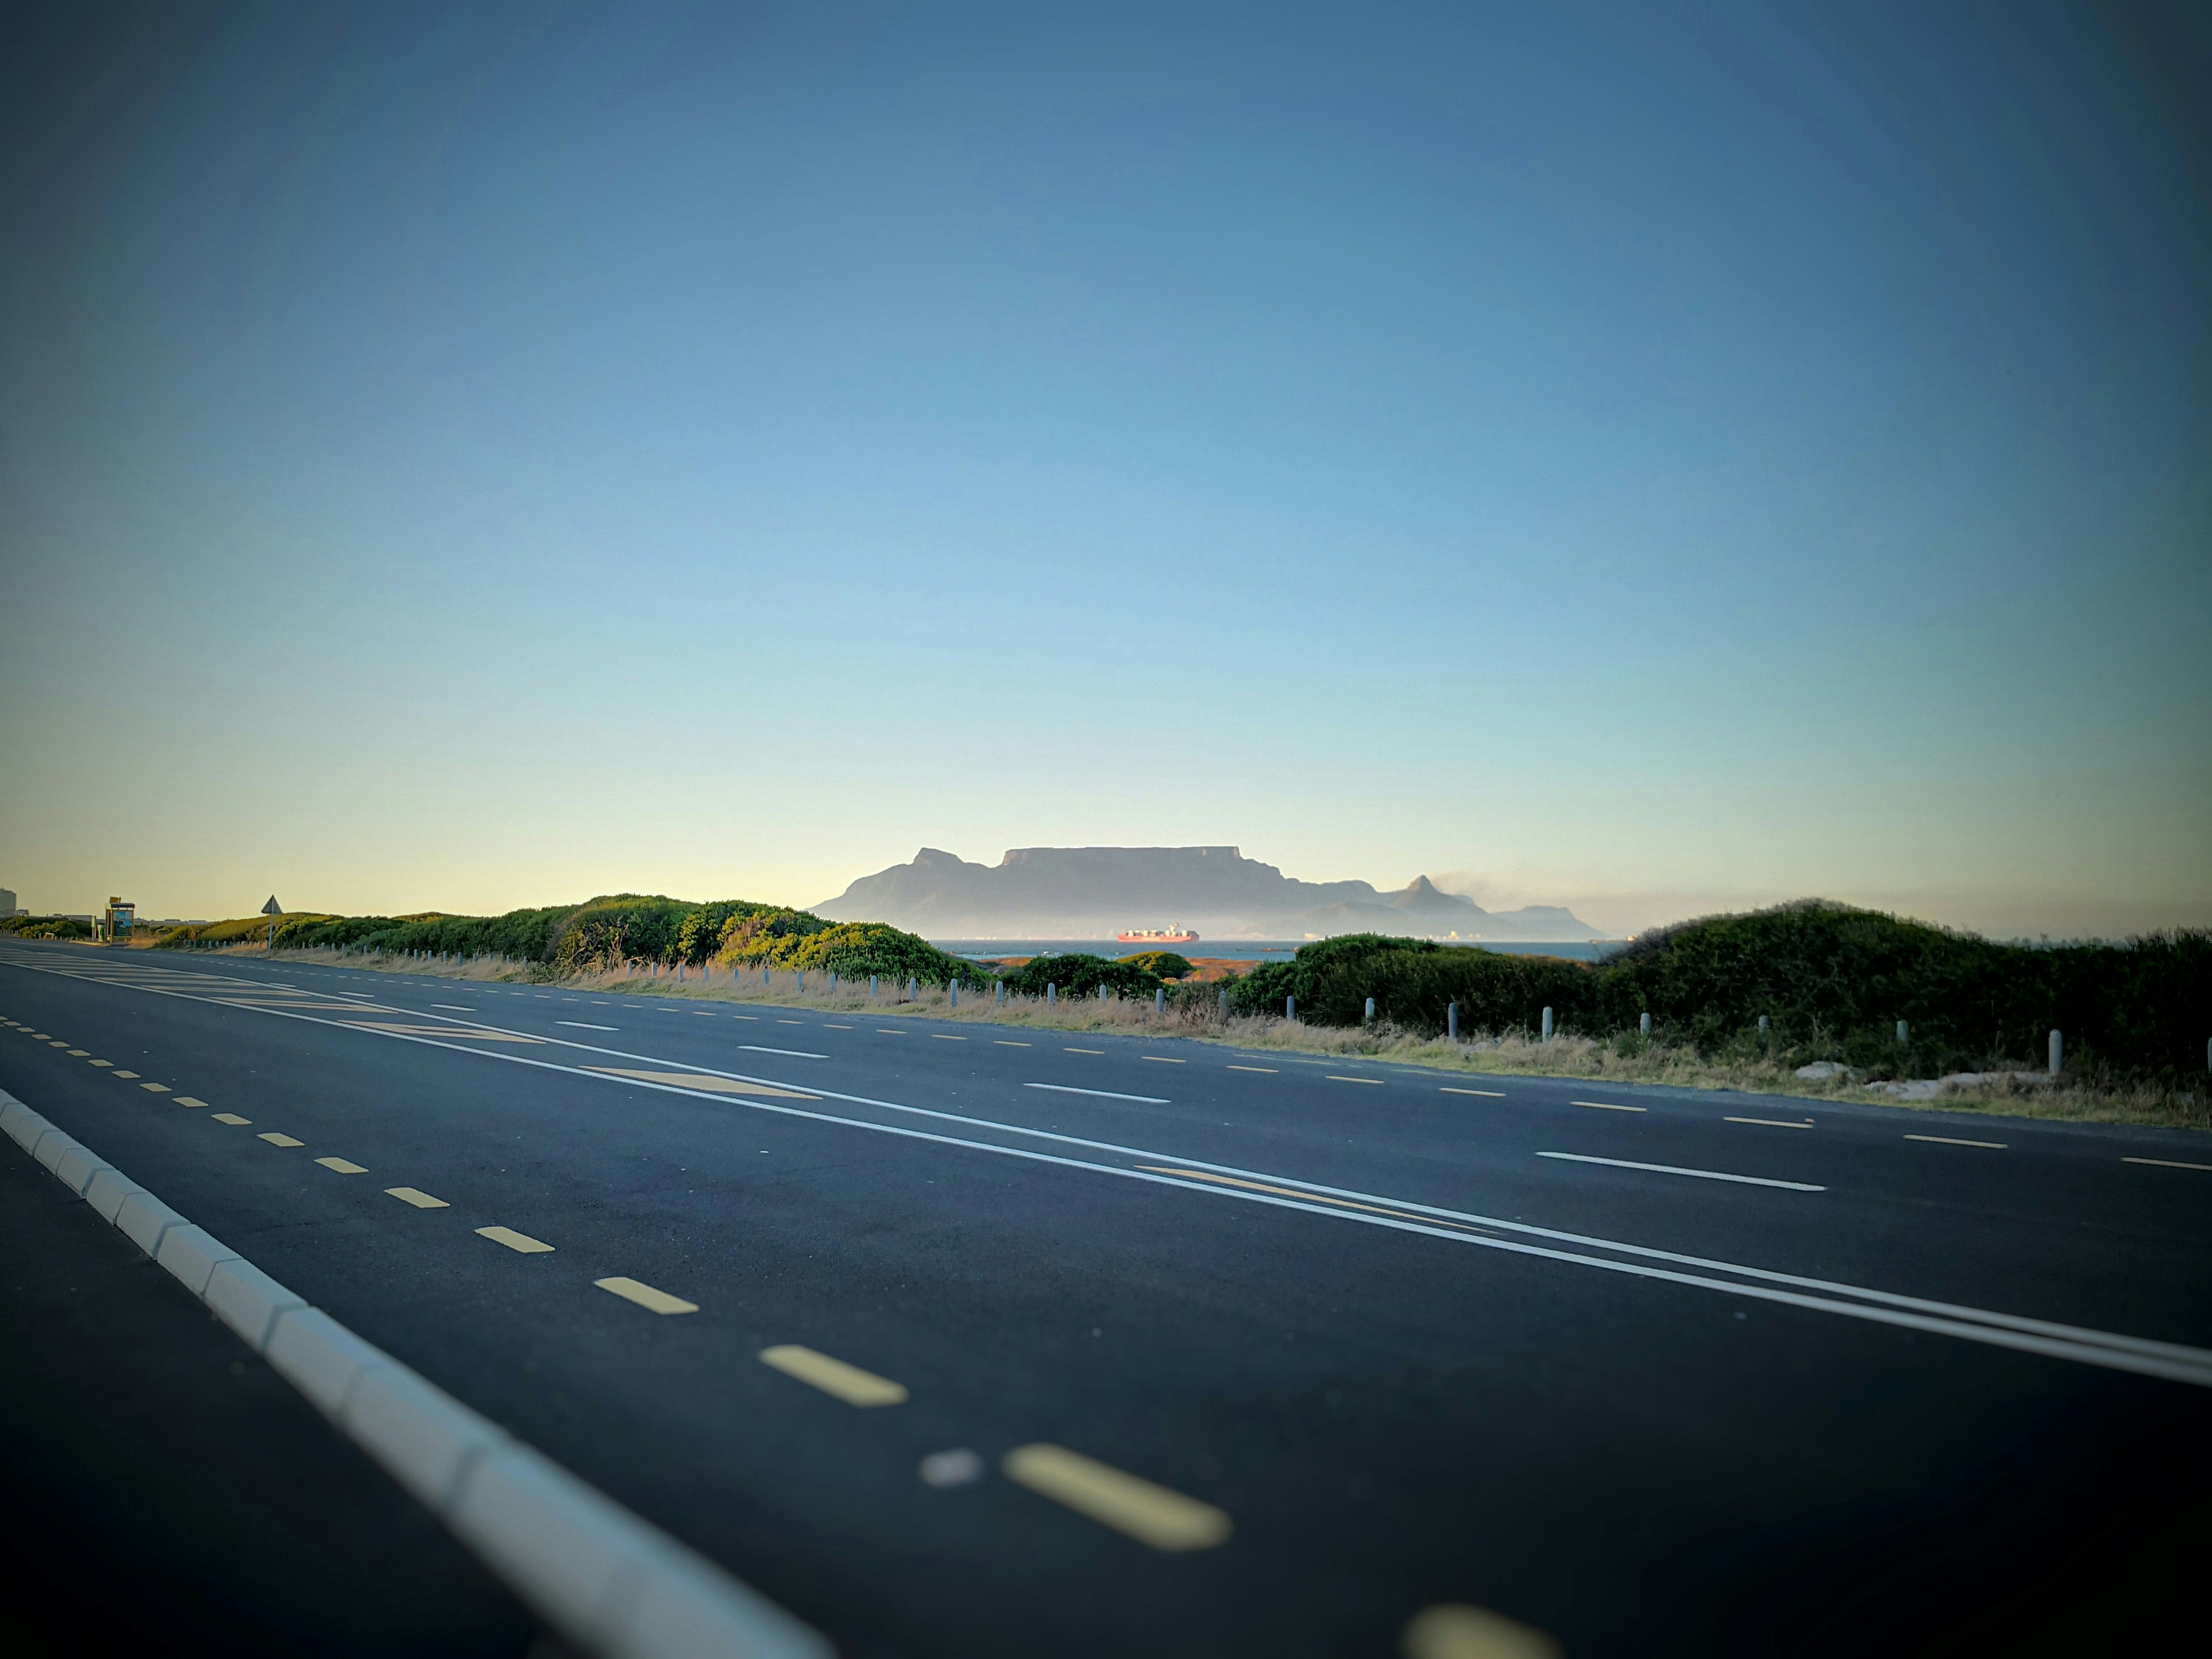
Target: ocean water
(1243,950)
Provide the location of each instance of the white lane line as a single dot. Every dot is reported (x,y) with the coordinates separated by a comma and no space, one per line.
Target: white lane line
(1493,1094)
(452,1007)
(795,1054)
(1773,1123)
(1334,1078)
(1608,1106)
(1103,1094)
(2166,1163)
(1952,1140)
(1672,1168)
(2144,1356)
(586,1026)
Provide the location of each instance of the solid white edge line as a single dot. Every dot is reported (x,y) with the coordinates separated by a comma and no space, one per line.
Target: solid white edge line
(1103,1094)
(605,1577)
(1676,1169)
(1952,1313)
(794,1054)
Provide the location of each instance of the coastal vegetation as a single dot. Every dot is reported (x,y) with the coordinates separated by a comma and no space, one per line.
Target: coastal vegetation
(45,927)
(1738,1001)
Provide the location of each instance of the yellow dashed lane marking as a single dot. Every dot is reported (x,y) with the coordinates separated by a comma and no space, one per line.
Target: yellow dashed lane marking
(190,1100)
(79,1053)
(277,1139)
(1148,1513)
(133,1075)
(713,1085)
(103,1063)
(833,1376)
(421,1200)
(231,1117)
(344,1166)
(646,1296)
(515,1241)
(155,1088)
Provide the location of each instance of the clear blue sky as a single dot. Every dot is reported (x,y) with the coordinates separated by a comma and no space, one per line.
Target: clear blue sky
(1641,456)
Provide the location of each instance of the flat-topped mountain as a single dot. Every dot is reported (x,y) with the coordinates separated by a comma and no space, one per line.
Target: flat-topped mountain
(1094,892)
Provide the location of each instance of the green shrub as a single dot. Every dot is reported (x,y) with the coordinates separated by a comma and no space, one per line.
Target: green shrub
(45,927)
(1078,974)
(1161,964)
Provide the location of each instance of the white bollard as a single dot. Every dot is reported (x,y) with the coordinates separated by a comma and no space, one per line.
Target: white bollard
(871,986)
(1452,1022)
(1159,1000)
(1225,1016)
(1763,1028)
(1369,1014)
(1904,1034)
(1001,998)
(1290,1008)
(1547,1024)
(953,993)
(802,981)
(2058,1052)
(1050,992)
(1644,1025)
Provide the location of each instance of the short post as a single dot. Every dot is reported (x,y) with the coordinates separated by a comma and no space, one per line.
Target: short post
(1159,1000)
(2057,1052)
(833,981)
(1224,1017)
(1644,1024)
(871,986)
(679,973)
(1452,1022)
(1369,1014)
(1050,992)
(1765,1028)
(912,988)
(953,992)
(802,981)
(1291,1008)
(768,980)
(1904,1034)
(998,998)
(1547,1024)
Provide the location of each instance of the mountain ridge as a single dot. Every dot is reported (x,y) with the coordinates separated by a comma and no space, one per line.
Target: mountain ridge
(1083,892)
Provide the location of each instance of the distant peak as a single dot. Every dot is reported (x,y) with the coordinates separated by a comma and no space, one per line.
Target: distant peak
(1420,885)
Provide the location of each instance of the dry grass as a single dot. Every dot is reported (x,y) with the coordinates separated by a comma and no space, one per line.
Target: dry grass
(1625,1059)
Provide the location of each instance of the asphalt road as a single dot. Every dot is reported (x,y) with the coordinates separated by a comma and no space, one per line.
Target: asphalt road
(1650,1370)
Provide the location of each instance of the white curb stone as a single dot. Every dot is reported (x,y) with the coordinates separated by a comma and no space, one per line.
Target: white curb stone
(191,1256)
(143,1218)
(108,1190)
(248,1300)
(319,1357)
(424,1435)
(21,1124)
(53,1146)
(76,1168)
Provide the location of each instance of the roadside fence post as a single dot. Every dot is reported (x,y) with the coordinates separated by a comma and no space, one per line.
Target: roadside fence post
(1369,1014)
(1644,1024)
(1452,1022)
(802,981)
(1159,1000)
(913,988)
(871,986)
(1051,993)
(1002,998)
(1763,1028)
(1904,1034)
(1224,1017)
(1291,1009)
(2057,1052)
(1547,1024)
(953,993)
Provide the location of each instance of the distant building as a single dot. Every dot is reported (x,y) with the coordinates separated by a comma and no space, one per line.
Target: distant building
(7,902)
(114,925)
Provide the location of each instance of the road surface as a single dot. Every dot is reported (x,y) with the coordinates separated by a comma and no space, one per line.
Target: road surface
(955,1338)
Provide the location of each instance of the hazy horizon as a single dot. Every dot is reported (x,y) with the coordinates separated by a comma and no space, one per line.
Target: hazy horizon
(1651,459)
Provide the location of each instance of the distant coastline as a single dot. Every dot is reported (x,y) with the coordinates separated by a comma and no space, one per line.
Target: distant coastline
(1245,950)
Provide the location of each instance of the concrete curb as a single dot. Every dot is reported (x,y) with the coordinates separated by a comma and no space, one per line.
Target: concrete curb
(607,1581)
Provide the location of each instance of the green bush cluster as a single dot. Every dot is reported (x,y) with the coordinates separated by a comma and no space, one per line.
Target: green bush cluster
(1078,974)
(1161,964)
(45,927)
(1831,980)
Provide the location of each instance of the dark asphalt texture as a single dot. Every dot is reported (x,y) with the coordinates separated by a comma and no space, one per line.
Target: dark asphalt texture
(1391,1419)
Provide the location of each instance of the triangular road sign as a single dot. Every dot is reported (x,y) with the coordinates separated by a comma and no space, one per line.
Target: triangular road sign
(272,908)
